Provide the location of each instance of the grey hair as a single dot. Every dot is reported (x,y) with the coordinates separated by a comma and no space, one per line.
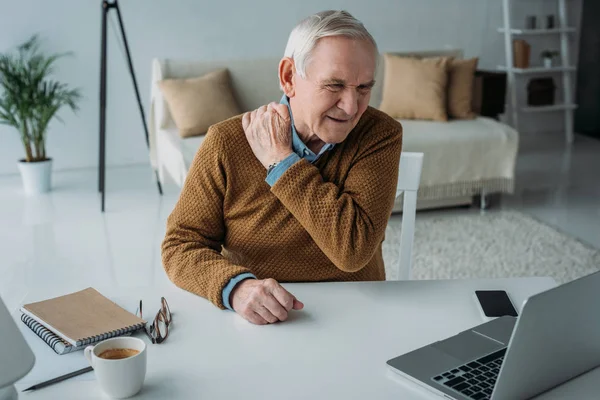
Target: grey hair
(305,35)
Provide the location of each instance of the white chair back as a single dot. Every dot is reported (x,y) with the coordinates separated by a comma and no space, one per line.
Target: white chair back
(409,177)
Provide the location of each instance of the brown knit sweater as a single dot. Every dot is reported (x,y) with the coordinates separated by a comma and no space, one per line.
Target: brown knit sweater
(319,222)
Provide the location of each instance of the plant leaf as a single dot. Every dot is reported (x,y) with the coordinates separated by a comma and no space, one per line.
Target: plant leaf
(30,99)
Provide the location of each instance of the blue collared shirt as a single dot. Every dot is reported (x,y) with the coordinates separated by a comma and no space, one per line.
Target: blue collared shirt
(300,150)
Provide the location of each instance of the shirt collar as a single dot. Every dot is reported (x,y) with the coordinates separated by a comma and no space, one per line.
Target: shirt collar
(298,145)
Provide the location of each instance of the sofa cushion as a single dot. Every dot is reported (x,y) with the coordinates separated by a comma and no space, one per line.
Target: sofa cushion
(377,91)
(461,151)
(415,88)
(461,74)
(197,103)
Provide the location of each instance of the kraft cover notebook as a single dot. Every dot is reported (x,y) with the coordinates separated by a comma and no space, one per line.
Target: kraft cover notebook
(83,317)
(56,343)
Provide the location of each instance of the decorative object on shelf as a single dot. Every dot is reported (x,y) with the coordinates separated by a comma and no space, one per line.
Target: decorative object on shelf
(547,57)
(521,53)
(540,92)
(550,22)
(30,99)
(531,22)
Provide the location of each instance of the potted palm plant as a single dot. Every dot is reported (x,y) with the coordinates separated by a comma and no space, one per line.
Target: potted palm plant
(29,100)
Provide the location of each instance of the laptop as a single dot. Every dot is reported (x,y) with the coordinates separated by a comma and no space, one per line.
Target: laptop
(556,338)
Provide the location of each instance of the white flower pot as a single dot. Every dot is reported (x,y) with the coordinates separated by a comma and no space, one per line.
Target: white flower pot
(36,176)
(548,62)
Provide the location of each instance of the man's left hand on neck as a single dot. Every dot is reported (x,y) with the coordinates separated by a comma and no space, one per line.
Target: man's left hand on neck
(268,131)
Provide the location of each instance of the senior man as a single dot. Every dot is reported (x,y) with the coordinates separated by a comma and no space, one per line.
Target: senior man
(299,191)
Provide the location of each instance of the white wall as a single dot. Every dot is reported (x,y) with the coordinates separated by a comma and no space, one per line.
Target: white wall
(208,30)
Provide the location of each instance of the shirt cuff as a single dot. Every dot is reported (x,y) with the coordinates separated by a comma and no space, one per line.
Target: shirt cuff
(280,168)
(231,285)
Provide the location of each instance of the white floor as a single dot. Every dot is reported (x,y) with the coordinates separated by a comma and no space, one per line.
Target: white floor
(560,185)
(52,237)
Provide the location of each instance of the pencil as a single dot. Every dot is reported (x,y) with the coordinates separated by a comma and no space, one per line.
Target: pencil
(59,379)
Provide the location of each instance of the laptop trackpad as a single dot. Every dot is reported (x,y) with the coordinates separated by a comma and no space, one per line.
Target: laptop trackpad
(467,346)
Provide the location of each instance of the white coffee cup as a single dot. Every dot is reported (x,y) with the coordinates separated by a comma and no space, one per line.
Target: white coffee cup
(119,378)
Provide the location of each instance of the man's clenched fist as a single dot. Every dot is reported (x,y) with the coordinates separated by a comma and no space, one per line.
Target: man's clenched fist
(263,301)
(269,133)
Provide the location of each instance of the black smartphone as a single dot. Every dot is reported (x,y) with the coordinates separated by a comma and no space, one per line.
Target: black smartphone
(495,303)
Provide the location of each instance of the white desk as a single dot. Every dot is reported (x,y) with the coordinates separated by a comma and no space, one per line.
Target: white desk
(336,348)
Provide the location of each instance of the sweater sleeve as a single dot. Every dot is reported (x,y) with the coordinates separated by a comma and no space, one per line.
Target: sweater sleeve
(191,249)
(347,222)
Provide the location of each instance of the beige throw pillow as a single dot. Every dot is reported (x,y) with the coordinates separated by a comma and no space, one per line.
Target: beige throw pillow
(415,88)
(197,103)
(460,88)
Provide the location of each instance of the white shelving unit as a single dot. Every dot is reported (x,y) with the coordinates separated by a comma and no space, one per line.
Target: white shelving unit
(565,69)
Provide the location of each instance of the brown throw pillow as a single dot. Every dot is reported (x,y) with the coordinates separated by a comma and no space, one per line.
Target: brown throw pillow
(197,103)
(415,88)
(461,75)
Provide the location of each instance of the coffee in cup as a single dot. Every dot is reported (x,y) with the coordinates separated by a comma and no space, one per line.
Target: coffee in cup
(119,365)
(117,354)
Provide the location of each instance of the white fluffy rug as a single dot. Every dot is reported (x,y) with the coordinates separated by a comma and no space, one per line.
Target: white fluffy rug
(490,245)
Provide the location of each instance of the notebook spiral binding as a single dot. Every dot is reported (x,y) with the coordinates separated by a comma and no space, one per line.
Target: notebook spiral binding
(61,346)
(54,341)
(111,334)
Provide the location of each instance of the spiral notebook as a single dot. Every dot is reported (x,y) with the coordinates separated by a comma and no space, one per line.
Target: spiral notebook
(83,317)
(56,343)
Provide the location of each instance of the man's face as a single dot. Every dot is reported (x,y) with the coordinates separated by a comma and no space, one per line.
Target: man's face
(331,99)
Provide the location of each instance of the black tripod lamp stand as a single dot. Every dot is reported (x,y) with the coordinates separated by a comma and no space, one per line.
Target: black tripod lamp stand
(106,7)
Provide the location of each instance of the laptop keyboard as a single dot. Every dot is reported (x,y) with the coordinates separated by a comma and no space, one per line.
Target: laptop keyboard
(475,379)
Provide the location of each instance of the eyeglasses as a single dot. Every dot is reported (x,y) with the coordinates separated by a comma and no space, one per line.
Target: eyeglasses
(159,329)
